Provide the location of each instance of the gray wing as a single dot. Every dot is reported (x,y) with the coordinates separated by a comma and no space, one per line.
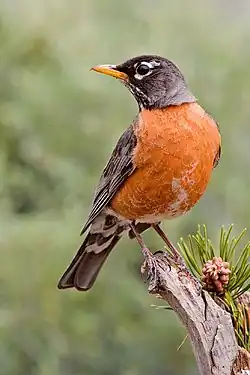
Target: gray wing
(119,167)
(217,157)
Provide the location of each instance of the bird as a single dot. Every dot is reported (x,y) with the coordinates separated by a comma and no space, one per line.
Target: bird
(158,170)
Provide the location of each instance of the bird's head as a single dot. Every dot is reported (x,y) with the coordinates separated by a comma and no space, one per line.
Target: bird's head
(154,81)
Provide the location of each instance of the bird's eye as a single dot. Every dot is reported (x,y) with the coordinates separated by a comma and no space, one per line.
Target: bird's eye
(143,69)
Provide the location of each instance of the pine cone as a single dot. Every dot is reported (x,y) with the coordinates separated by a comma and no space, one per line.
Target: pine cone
(216,275)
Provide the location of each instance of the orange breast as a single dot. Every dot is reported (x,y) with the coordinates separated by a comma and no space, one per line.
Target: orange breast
(174,157)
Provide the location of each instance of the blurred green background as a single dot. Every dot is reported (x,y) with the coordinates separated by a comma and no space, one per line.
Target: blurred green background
(58,124)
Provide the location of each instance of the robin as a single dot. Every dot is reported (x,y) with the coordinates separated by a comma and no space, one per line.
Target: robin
(158,170)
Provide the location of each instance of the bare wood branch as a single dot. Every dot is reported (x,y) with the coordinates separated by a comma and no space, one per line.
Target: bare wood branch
(209,327)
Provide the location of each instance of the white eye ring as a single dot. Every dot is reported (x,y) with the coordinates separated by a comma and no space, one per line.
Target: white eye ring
(150,65)
(142,64)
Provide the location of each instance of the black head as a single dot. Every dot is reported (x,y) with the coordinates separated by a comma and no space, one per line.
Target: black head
(154,81)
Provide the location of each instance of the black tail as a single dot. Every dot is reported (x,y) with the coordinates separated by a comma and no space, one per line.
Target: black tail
(81,274)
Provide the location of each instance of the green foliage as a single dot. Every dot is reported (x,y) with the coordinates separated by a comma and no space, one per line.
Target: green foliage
(58,124)
(199,250)
(240,317)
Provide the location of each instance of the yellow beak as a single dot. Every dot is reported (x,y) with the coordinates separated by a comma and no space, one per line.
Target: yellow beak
(110,70)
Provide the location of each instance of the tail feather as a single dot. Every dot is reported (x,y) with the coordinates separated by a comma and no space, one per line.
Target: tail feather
(86,265)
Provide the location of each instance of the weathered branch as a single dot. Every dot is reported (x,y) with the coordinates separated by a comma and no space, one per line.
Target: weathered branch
(209,327)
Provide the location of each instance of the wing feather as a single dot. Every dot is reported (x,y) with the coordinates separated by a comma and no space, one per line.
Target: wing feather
(118,168)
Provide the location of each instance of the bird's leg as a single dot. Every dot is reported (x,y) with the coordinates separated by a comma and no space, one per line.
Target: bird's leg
(150,264)
(175,256)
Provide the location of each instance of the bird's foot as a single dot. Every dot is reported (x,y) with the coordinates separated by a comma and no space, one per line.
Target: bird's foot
(176,259)
(149,269)
(152,264)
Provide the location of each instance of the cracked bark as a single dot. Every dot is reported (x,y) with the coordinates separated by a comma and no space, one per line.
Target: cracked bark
(209,327)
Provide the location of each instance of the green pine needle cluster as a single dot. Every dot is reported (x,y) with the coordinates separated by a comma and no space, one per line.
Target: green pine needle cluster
(241,320)
(199,249)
